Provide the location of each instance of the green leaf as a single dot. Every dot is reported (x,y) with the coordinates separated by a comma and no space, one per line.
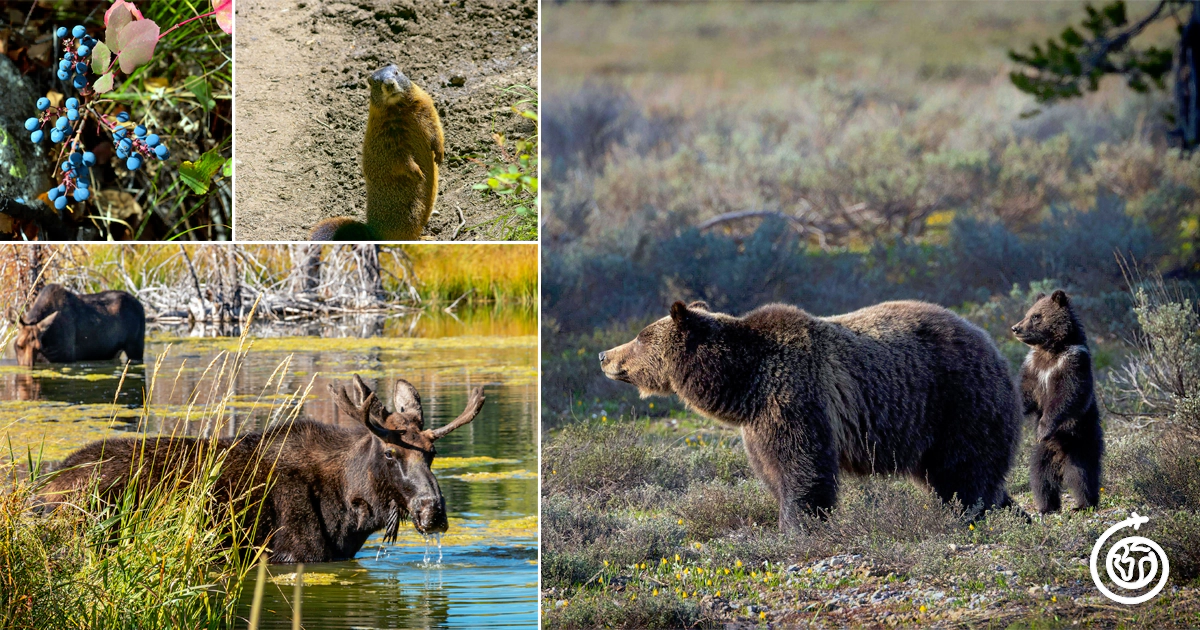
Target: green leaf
(227,170)
(101,56)
(198,175)
(104,83)
(199,87)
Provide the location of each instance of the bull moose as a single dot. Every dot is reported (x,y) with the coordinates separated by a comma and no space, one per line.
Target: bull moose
(323,488)
(61,327)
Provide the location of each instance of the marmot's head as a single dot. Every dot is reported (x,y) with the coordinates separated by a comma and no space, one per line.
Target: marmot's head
(389,86)
(644,362)
(1050,323)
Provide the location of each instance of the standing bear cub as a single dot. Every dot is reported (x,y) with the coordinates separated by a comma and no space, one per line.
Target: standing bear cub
(1056,386)
(900,387)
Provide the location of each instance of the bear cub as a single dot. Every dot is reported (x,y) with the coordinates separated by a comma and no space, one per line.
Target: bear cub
(1057,388)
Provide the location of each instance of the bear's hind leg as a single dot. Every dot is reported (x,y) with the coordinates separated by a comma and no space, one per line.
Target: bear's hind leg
(1081,475)
(1045,478)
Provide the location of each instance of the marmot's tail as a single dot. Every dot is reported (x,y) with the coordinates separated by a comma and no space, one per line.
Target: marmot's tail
(342,229)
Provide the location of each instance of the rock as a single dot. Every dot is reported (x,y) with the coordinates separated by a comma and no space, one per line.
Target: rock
(458,80)
(24,167)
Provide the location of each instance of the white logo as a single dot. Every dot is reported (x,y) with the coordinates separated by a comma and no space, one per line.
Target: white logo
(1132,563)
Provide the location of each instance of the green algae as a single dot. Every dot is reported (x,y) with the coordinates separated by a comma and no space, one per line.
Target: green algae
(463,462)
(463,532)
(496,476)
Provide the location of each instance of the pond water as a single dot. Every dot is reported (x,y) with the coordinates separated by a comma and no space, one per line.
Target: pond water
(195,382)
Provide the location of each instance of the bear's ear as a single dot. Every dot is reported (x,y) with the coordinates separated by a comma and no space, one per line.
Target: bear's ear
(1038,297)
(680,313)
(700,304)
(1060,297)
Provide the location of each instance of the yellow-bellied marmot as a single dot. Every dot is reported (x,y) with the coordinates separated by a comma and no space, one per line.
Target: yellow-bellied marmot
(402,150)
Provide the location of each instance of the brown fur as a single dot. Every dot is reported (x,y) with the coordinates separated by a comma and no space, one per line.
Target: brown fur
(402,150)
(332,487)
(900,387)
(62,327)
(1057,390)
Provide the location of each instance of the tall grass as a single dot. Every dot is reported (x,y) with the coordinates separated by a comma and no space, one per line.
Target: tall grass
(499,273)
(163,554)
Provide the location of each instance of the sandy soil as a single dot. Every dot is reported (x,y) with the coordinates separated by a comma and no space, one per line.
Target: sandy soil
(301,90)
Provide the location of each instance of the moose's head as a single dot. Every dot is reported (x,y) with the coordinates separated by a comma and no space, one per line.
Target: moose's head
(392,478)
(28,345)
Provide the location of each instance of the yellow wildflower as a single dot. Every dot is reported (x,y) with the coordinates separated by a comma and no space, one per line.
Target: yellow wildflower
(922,607)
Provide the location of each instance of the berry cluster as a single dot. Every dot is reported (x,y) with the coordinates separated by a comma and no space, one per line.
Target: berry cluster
(77,45)
(141,144)
(76,179)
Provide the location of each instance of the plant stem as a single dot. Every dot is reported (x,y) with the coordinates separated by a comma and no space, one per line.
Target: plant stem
(213,12)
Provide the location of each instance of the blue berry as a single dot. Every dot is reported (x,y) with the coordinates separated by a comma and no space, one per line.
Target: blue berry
(31,124)
(80,82)
(152,140)
(122,154)
(133,162)
(89,158)
(64,65)
(63,75)
(53,193)
(36,136)
(81,68)
(69,56)
(56,135)
(43,103)
(78,31)
(72,103)
(120,132)
(125,144)
(76,159)
(61,32)
(81,194)
(162,152)
(66,166)
(140,131)
(61,123)
(84,50)
(72,114)
(60,203)
(123,116)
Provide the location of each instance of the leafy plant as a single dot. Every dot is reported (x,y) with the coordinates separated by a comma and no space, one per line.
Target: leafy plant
(515,175)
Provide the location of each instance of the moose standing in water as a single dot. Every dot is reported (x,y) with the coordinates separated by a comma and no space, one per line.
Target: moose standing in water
(61,327)
(327,488)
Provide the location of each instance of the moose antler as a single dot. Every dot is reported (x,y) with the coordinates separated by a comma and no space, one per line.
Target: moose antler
(474,404)
(370,406)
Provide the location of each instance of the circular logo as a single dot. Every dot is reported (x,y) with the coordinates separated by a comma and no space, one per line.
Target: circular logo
(1132,563)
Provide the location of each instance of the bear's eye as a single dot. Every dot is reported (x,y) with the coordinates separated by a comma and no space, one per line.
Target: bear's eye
(1037,318)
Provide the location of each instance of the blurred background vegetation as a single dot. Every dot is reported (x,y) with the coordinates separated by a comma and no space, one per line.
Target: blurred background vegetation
(183,95)
(834,155)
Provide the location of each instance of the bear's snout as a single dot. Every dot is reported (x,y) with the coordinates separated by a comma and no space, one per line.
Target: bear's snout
(1016,329)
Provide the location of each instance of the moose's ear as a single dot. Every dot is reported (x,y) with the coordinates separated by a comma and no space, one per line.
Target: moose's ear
(1060,297)
(13,316)
(43,325)
(700,304)
(405,398)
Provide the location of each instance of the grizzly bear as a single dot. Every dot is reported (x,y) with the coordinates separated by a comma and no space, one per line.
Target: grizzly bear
(900,387)
(1057,389)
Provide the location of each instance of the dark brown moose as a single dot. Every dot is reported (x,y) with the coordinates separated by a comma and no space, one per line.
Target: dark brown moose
(61,327)
(331,486)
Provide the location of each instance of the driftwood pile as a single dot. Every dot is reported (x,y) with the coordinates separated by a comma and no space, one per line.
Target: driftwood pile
(223,283)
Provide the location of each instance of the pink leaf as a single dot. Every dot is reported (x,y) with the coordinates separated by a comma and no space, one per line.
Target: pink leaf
(117,18)
(224,17)
(124,5)
(138,40)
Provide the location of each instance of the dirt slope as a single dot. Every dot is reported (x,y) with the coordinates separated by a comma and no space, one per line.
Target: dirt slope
(302,93)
